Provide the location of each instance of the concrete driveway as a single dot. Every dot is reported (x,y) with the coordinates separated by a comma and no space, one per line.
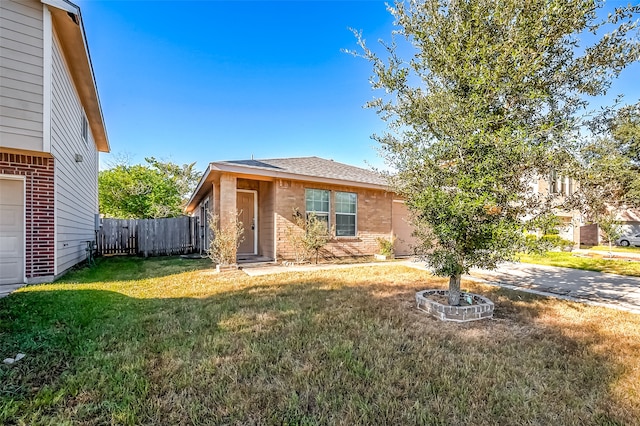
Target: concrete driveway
(595,287)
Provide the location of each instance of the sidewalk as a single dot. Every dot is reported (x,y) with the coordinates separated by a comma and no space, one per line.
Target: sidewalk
(595,288)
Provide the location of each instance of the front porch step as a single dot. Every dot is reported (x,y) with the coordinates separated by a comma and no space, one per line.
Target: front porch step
(249,258)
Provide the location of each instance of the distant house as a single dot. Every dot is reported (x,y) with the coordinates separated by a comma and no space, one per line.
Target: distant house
(560,187)
(51,131)
(629,220)
(356,203)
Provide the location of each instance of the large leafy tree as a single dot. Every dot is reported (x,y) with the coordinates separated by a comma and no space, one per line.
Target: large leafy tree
(157,189)
(610,165)
(481,98)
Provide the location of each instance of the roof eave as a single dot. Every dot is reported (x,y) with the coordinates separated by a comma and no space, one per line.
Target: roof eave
(195,196)
(67,20)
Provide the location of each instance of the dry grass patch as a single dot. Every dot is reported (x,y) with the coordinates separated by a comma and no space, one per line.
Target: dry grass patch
(325,347)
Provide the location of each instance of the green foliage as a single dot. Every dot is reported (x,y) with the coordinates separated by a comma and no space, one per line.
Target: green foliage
(546,223)
(481,99)
(530,244)
(610,227)
(625,131)
(554,241)
(158,189)
(539,246)
(610,173)
(225,241)
(385,246)
(307,236)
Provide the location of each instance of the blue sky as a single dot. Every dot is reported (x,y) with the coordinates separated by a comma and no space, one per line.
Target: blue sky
(210,80)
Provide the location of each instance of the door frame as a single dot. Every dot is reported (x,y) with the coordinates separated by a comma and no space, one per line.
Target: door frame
(255,215)
(24,219)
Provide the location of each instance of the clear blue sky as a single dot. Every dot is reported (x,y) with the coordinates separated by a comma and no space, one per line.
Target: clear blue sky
(210,80)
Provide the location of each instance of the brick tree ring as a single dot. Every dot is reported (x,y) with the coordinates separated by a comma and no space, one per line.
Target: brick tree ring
(479,308)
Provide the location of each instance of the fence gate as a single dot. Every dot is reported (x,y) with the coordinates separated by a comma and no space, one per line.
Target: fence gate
(148,237)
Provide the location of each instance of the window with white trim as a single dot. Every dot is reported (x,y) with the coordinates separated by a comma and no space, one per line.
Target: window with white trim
(84,129)
(317,202)
(346,210)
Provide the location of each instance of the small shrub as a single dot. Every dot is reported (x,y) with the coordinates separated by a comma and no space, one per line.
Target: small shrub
(385,246)
(554,241)
(531,244)
(307,236)
(225,242)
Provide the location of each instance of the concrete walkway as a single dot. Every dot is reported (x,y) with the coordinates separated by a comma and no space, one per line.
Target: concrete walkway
(594,288)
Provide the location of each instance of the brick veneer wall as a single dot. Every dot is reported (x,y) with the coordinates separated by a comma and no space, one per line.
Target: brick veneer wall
(373,218)
(590,235)
(39,205)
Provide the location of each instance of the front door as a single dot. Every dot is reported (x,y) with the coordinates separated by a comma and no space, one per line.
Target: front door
(246,205)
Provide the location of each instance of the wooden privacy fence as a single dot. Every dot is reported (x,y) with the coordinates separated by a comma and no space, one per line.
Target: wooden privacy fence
(148,237)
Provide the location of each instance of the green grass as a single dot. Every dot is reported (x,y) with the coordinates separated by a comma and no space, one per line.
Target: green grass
(568,260)
(613,248)
(165,341)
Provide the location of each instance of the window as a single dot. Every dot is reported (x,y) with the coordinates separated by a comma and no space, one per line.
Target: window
(553,182)
(317,202)
(346,214)
(560,185)
(85,128)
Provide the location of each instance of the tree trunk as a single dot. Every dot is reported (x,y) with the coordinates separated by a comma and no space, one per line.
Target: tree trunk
(454,290)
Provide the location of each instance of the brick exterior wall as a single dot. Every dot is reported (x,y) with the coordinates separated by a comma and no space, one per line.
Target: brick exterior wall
(590,235)
(39,206)
(373,218)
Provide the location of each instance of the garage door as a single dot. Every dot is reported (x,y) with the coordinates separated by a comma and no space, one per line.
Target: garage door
(11,231)
(402,229)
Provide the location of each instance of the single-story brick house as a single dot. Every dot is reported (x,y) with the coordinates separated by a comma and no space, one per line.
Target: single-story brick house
(356,202)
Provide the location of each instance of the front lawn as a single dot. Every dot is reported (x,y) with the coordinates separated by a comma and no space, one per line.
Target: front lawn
(569,260)
(165,341)
(614,248)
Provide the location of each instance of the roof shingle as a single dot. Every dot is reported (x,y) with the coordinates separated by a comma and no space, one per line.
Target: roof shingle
(313,166)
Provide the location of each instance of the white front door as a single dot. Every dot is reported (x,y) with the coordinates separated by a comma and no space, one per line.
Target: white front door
(11,231)
(246,203)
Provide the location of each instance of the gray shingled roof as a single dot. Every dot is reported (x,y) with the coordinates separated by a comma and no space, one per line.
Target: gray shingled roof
(312,166)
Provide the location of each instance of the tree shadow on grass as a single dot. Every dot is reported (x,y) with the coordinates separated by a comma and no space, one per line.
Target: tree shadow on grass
(303,349)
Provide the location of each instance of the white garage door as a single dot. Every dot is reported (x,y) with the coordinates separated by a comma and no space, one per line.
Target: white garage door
(11,231)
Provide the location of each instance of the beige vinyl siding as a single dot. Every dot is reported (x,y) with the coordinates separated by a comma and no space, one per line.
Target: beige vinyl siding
(76,182)
(21,71)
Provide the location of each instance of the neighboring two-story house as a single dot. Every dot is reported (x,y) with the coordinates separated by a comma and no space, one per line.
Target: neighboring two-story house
(561,187)
(51,131)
